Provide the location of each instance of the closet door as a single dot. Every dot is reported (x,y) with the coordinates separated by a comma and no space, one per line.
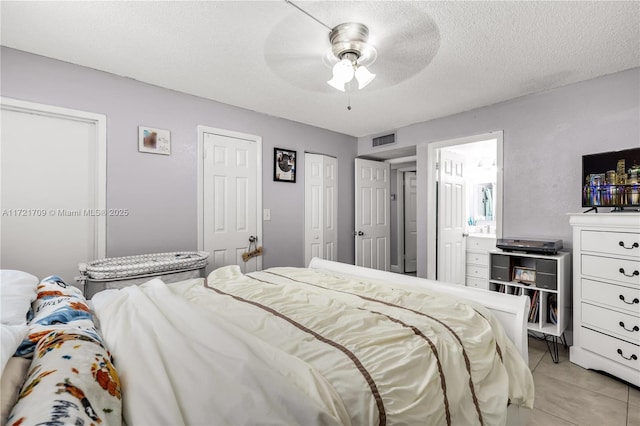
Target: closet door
(53,189)
(321,207)
(330,191)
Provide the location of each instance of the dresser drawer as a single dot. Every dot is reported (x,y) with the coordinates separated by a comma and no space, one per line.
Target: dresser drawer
(481,243)
(613,243)
(615,349)
(616,296)
(477,283)
(476,271)
(481,259)
(607,268)
(624,325)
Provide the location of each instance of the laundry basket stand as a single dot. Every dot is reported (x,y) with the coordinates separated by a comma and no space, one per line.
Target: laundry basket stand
(119,272)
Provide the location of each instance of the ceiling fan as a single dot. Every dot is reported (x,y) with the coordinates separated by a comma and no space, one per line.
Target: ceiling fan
(349,46)
(386,41)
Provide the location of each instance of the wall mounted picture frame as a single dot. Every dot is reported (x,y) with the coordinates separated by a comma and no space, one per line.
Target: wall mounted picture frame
(284,168)
(524,275)
(154,141)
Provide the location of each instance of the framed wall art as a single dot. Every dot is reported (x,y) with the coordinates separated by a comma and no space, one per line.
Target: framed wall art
(284,169)
(154,141)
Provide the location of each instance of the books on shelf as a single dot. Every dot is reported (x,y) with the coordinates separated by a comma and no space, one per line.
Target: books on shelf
(548,309)
(552,304)
(552,307)
(534,310)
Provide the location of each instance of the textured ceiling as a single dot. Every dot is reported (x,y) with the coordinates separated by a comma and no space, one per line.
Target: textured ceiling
(434,58)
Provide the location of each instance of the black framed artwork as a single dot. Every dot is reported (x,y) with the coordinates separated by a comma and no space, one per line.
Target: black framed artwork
(284,168)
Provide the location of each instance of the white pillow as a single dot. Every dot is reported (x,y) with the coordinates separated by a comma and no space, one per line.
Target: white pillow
(12,336)
(17,291)
(14,375)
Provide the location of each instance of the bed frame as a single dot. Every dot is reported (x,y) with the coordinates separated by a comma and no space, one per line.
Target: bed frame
(510,310)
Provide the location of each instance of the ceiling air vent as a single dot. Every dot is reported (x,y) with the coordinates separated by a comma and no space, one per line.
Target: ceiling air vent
(384,140)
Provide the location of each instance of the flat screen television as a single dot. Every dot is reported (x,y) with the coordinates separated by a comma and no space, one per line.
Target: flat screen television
(611,179)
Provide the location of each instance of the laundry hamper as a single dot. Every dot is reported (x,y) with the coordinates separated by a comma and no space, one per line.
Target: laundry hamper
(119,272)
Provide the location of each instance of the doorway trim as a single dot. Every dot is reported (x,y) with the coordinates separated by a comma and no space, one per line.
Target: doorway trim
(200,177)
(431,189)
(100,188)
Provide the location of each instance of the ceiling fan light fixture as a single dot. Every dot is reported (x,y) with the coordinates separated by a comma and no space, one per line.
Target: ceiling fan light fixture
(342,73)
(364,77)
(343,70)
(349,46)
(337,84)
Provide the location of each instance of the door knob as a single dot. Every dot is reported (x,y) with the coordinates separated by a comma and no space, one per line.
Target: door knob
(358,234)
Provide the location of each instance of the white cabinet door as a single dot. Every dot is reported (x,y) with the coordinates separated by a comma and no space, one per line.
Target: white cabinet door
(373,229)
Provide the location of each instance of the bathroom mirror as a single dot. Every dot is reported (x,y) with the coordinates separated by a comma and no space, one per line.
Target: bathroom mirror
(483,201)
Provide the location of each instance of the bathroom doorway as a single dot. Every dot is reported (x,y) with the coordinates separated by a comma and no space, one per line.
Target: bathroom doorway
(467,193)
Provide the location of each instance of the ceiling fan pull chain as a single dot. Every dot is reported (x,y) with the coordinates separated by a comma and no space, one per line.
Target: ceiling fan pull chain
(308,14)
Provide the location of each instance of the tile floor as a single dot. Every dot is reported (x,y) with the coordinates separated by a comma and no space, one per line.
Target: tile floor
(567,394)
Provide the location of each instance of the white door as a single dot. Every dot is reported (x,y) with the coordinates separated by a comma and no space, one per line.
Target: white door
(230,200)
(321,207)
(451,218)
(410,222)
(373,229)
(53,189)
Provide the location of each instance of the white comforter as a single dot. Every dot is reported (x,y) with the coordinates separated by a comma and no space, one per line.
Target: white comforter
(180,364)
(295,346)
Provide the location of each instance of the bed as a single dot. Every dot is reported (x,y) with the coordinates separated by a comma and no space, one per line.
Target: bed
(328,344)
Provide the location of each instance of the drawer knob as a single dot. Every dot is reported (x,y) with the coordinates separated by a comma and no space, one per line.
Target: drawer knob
(632,357)
(635,327)
(633,302)
(634,245)
(633,274)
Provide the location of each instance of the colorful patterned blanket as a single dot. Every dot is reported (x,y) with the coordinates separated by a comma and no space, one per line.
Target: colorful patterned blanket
(71,379)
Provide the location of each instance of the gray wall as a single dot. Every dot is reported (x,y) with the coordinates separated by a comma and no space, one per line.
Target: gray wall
(160,191)
(545,136)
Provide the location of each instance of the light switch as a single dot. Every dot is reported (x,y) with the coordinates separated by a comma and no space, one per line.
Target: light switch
(266,214)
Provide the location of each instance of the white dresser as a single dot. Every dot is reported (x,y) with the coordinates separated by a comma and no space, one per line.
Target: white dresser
(606,293)
(477,260)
